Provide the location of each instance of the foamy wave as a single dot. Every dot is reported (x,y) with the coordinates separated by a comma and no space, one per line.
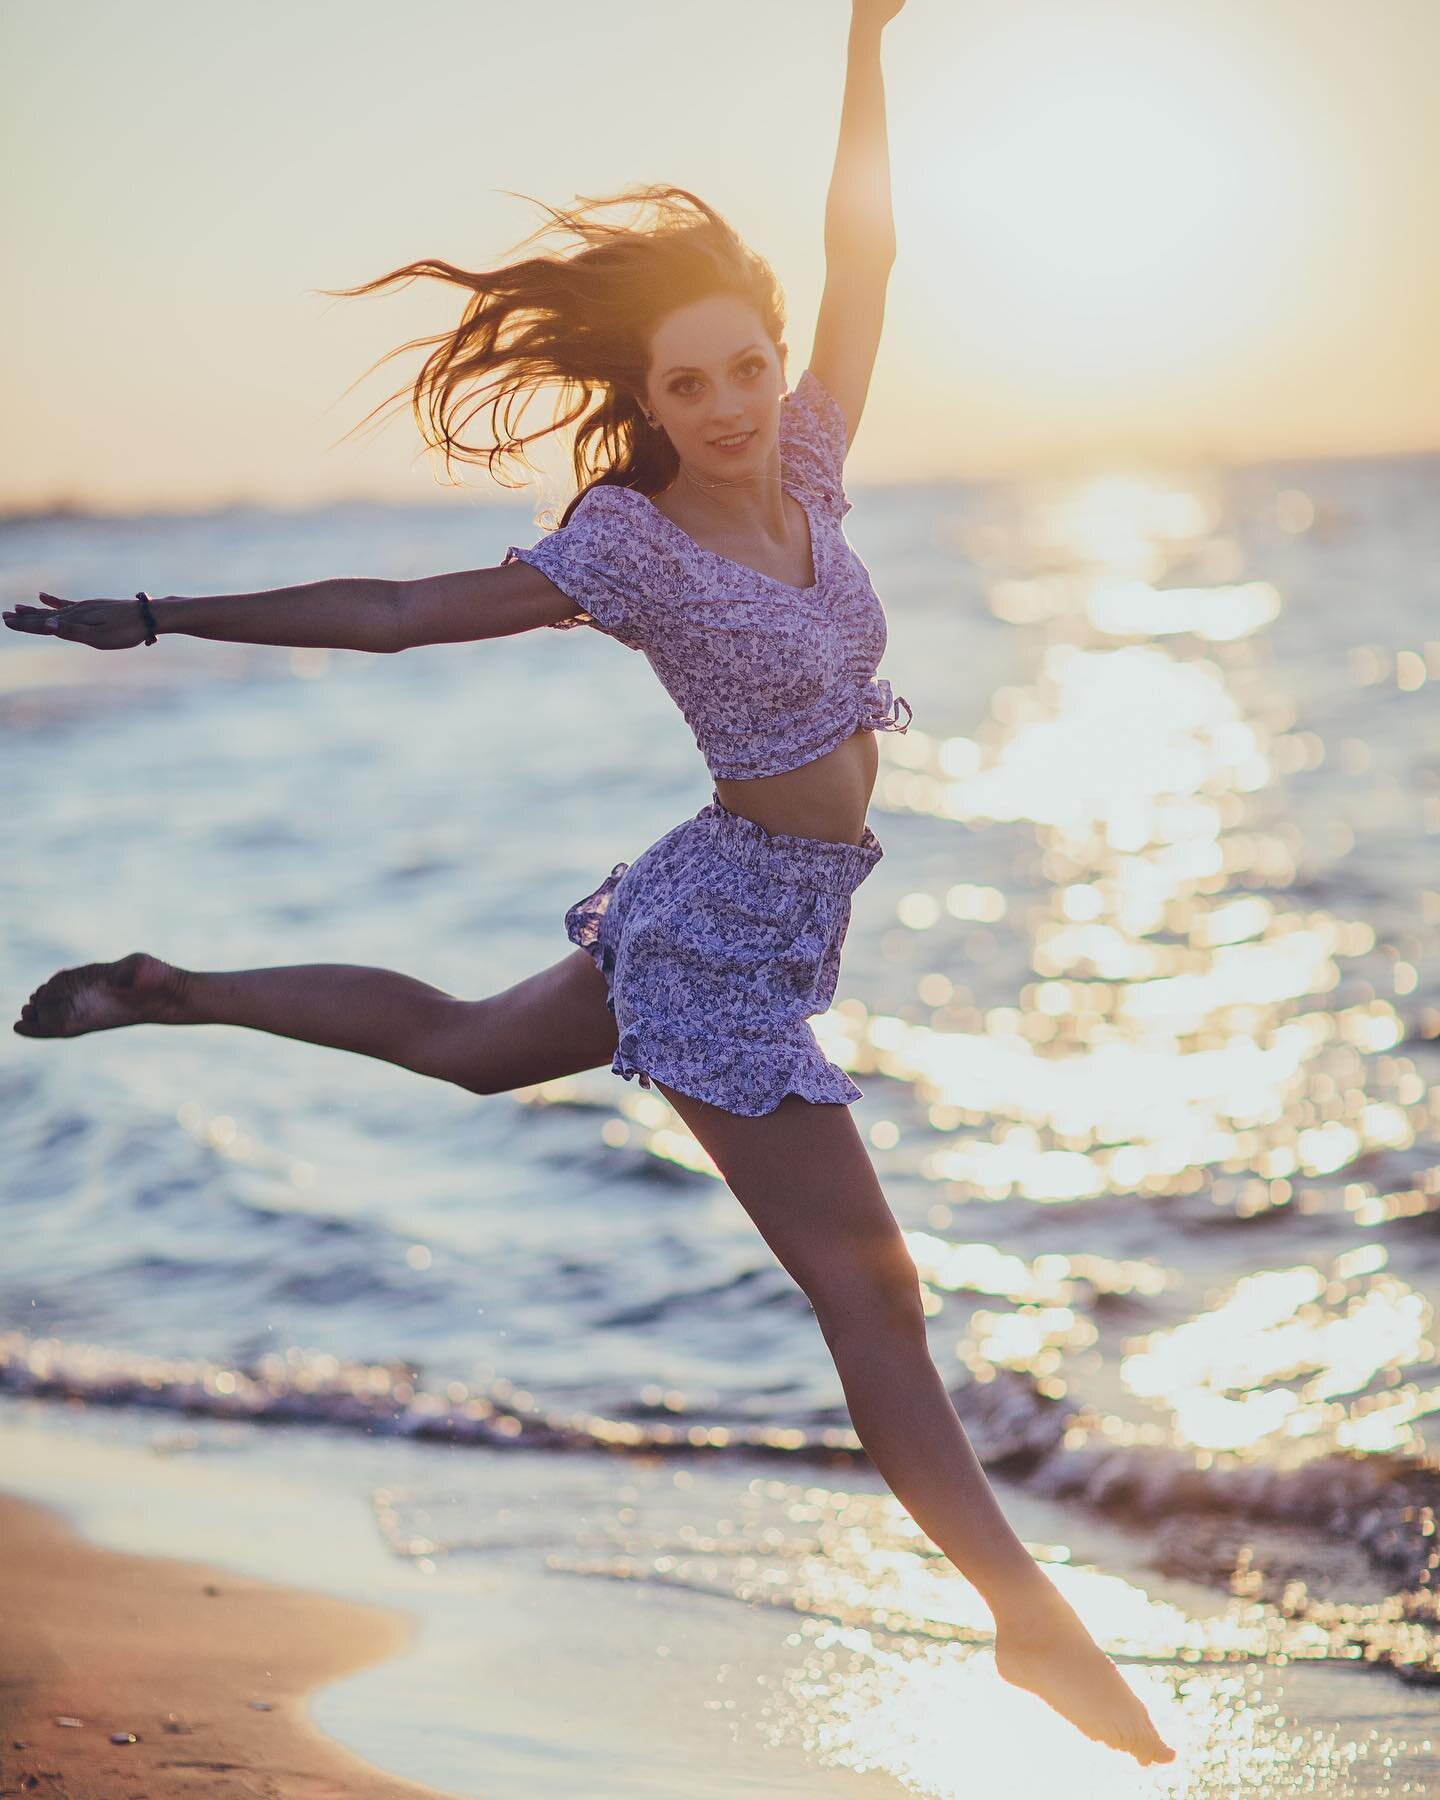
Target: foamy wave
(1386,1503)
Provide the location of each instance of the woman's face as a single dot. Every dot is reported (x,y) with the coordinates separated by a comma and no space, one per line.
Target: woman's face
(714,374)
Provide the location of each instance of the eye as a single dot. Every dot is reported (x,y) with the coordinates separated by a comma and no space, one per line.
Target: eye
(752,366)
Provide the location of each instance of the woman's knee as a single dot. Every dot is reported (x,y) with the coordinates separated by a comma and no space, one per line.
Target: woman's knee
(551,1024)
(456,1048)
(877,1295)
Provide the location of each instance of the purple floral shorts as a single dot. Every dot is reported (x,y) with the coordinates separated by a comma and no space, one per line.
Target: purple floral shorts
(717,944)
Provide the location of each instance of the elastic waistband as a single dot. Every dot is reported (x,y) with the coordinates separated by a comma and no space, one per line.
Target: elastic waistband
(814,862)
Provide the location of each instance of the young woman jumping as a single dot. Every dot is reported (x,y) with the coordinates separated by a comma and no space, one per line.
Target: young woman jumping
(706,534)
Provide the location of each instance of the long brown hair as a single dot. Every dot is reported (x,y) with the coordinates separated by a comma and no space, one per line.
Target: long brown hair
(583,321)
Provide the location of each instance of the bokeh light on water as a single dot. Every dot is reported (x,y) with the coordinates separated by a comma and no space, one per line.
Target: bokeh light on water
(1196,1028)
(894,1668)
(1145,1000)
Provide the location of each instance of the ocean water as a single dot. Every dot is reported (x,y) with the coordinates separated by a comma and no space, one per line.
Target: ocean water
(1144,997)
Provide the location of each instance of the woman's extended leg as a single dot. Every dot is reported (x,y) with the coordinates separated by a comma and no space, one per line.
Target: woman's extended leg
(552,1023)
(803,1175)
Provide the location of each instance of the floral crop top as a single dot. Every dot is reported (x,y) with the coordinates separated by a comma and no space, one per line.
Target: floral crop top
(767,676)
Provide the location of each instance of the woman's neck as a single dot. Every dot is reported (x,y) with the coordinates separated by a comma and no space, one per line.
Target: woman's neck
(751,507)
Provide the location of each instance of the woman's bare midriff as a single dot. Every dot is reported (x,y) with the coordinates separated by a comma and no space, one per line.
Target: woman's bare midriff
(827,798)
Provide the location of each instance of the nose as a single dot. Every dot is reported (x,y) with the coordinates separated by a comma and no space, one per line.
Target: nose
(729,411)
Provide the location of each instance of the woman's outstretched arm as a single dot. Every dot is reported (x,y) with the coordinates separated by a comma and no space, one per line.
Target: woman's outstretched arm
(348,613)
(859,222)
(344,613)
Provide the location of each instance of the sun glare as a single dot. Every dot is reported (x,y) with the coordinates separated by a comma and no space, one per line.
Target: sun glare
(1117,194)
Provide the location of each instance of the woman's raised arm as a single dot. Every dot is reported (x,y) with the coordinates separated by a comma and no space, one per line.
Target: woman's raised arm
(859,222)
(348,613)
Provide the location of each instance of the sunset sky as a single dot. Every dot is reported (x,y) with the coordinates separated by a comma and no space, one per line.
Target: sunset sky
(1162,230)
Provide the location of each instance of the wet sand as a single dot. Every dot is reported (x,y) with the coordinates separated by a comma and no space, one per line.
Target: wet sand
(207,1668)
(495,1624)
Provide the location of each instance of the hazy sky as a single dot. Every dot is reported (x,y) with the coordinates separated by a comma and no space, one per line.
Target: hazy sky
(1128,228)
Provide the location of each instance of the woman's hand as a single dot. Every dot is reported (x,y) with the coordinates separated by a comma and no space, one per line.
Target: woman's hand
(103,624)
(874,12)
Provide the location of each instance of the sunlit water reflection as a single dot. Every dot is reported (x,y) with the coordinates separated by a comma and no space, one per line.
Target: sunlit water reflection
(1145,998)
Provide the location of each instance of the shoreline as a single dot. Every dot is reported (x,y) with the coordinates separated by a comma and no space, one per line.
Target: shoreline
(178,1653)
(486,1624)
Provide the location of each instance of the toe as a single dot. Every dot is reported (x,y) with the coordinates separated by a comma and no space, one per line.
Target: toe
(1135,1746)
(1146,1738)
(1147,1744)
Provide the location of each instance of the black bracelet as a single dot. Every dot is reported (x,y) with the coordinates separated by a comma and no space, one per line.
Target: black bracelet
(147,616)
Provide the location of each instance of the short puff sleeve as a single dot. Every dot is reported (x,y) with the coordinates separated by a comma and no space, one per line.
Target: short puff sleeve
(813,442)
(602,557)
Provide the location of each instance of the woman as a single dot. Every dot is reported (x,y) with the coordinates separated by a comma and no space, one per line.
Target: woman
(708,534)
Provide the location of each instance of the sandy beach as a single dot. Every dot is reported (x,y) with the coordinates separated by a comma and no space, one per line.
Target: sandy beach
(206,1669)
(501,1669)
(491,1625)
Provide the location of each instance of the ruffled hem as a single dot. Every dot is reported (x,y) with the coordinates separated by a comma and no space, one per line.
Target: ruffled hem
(809,1075)
(584,924)
(825,1085)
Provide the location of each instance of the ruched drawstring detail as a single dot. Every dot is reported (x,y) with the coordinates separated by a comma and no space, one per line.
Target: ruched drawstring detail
(879,709)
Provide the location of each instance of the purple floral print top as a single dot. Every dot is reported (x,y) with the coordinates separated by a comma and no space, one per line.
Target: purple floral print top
(768,676)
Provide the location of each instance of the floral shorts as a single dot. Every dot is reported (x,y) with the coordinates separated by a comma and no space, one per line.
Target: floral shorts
(717,944)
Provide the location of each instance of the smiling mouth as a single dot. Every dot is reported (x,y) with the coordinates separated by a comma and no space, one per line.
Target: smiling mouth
(733,442)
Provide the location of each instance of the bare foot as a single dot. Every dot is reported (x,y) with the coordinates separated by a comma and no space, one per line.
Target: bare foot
(137,990)
(1045,1649)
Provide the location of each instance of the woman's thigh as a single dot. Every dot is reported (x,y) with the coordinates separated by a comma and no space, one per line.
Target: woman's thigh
(804,1176)
(553,1023)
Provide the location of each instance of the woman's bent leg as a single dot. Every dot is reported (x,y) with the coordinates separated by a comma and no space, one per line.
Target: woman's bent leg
(803,1175)
(553,1023)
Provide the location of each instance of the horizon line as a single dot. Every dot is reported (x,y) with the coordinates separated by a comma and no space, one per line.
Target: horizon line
(69,506)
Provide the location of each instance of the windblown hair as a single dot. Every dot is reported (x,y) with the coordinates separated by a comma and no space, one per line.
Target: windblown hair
(584,321)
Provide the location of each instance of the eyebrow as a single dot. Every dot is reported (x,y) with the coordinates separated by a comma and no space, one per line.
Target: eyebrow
(690,369)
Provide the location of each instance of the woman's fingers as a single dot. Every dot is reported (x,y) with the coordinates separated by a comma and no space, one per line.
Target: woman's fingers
(56,618)
(101,624)
(31,618)
(37,618)
(34,618)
